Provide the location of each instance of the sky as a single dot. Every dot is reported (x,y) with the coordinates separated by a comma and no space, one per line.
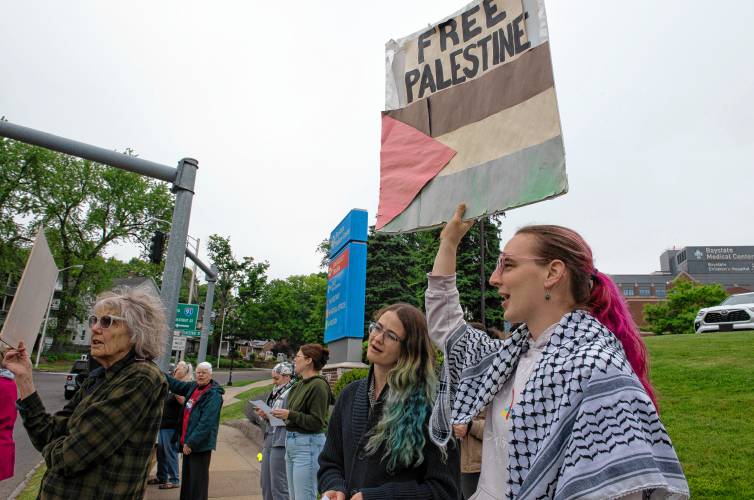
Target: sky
(280,103)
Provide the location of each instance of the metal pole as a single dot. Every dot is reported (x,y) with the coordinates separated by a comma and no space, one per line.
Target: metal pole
(49,306)
(83,150)
(220,345)
(207,314)
(193,275)
(230,375)
(482,273)
(171,276)
(44,328)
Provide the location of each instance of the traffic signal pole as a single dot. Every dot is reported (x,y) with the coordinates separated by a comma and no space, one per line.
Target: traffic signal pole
(182,177)
(210,274)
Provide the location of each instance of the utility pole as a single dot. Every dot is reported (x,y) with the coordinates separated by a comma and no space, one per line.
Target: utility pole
(182,178)
(482,274)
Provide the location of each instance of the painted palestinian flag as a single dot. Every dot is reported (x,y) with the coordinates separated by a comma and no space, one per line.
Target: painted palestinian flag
(471,117)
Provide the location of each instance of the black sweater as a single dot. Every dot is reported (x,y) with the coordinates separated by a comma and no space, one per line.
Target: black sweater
(344,465)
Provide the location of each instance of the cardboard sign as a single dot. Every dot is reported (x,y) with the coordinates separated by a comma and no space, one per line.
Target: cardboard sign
(471,116)
(29,306)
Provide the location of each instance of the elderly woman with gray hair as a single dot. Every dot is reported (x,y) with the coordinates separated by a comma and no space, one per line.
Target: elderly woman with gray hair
(197,430)
(98,445)
(273,476)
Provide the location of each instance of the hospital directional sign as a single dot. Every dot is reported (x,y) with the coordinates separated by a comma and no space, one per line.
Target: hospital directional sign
(185,316)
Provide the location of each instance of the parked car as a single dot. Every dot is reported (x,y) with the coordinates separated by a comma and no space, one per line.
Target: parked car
(734,313)
(74,379)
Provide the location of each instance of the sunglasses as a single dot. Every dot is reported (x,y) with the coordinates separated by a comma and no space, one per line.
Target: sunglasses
(501,260)
(377,329)
(104,321)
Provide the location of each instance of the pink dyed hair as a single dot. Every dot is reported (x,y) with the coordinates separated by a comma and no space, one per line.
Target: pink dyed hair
(595,291)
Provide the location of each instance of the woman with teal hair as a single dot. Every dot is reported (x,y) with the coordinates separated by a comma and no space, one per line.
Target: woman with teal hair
(377,443)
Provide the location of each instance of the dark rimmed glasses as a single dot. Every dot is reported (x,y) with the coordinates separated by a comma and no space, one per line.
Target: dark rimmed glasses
(377,329)
(105,321)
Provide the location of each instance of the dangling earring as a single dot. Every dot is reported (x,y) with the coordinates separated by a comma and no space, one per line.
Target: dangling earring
(547,294)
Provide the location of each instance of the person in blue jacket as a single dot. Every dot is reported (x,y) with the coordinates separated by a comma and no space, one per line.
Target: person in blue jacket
(197,431)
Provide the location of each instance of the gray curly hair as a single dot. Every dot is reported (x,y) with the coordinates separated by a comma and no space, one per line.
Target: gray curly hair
(145,318)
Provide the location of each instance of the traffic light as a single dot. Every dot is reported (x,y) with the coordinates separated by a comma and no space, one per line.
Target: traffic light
(157,247)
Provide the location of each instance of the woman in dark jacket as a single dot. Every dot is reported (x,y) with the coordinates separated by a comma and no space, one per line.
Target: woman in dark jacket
(197,432)
(98,445)
(377,443)
(167,452)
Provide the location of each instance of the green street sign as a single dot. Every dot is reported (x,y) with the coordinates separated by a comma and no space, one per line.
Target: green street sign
(186,316)
(191,333)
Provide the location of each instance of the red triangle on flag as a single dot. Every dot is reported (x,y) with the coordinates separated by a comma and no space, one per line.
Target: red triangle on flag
(409,159)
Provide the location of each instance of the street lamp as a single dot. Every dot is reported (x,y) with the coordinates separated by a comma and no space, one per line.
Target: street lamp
(232,353)
(47,316)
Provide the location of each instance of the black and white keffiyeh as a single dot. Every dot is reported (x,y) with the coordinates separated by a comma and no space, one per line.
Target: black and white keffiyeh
(584,426)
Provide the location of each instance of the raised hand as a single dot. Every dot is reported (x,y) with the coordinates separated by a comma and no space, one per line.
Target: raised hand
(456,228)
(450,237)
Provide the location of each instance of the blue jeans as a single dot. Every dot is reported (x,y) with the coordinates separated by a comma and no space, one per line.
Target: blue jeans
(167,457)
(302,463)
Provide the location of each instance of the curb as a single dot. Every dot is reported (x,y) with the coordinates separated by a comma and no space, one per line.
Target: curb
(22,485)
(251,431)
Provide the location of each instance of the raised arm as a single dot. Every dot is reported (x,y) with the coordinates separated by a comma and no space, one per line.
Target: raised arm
(442,303)
(450,238)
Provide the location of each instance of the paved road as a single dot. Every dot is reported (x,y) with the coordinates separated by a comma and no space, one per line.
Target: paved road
(50,388)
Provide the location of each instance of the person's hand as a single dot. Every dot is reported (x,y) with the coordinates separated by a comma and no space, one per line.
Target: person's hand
(357,496)
(186,449)
(460,430)
(335,495)
(180,399)
(281,413)
(261,413)
(456,228)
(18,361)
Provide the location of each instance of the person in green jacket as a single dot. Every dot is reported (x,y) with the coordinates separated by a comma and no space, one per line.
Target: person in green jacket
(306,422)
(98,445)
(197,431)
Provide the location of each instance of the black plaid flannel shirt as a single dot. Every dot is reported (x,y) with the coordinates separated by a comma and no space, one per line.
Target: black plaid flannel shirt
(98,446)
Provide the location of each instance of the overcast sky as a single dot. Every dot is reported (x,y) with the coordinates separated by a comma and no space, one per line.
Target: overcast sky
(280,102)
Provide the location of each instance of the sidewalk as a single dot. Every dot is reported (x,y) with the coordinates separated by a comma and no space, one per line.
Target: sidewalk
(234,469)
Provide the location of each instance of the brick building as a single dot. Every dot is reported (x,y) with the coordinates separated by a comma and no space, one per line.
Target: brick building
(731,267)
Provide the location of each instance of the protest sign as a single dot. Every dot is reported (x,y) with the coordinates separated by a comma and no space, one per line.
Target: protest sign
(32,296)
(471,116)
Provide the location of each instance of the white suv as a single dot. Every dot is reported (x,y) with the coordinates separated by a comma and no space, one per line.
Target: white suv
(734,313)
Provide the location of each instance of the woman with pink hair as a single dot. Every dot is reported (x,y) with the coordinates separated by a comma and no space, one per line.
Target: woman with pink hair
(570,409)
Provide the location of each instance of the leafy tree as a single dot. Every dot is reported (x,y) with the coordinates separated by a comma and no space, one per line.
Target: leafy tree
(18,167)
(84,207)
(397,267)
(239,287)
(292,309)
(685,298)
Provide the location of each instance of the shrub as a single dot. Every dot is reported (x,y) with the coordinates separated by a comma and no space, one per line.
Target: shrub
(348,377)
(677,314)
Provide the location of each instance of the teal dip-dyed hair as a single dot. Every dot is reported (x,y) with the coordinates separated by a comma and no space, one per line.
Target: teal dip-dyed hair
(412,383)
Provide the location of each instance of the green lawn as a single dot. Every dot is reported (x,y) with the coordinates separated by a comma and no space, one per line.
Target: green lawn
(705,386)
(235,411)
(31,490)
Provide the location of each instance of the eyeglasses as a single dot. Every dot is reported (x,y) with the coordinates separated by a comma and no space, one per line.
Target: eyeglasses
(301,356)
(104,321)
(501,260)
(377,329)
